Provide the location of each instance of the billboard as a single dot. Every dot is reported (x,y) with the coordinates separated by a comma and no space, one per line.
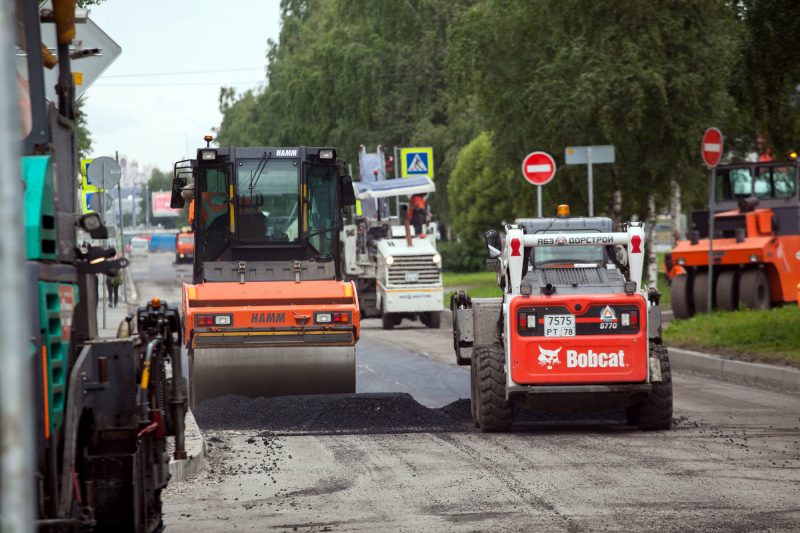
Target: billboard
(159,202)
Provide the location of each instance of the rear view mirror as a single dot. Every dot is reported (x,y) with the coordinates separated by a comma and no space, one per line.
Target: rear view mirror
(493,244)
(347,195)
(177,201)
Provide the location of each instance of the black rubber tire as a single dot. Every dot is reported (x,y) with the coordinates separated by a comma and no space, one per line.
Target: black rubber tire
(726,290)
(434,320)
(681,293)
(387,321)
(473,391)
(494,411)
(754,289)
(655,412)
(700,292)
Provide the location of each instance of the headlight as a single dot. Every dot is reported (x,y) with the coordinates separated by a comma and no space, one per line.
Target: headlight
(389,260)
(437,259)
(326,154)
(208,155)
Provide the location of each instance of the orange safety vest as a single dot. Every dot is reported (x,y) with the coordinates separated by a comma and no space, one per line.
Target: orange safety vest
(416,202)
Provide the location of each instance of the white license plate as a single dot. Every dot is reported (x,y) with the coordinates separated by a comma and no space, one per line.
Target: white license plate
(559,325)
(412,276)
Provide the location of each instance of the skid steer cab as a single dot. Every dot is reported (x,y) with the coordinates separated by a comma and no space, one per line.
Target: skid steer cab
(574,330)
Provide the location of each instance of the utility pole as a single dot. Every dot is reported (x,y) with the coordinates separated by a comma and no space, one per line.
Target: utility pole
(16,399)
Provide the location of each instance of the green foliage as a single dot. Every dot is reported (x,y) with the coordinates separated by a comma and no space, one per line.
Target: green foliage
(352,72)
(481,196)
(759,335)
(648,77)
(766,74)
(83,134)
(645,77)
(461,256)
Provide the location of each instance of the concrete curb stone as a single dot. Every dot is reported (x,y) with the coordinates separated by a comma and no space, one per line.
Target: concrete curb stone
(182,469)
(758,374)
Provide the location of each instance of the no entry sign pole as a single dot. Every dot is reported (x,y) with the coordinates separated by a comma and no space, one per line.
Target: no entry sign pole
(538,168)
(539,201)
(711,149)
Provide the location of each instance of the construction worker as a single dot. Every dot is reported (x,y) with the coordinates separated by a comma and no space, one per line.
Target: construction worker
(418,214)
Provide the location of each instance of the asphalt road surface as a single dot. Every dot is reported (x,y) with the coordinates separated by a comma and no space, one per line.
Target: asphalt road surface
(403,455)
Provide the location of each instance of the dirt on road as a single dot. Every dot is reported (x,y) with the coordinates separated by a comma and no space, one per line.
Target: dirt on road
(404,456)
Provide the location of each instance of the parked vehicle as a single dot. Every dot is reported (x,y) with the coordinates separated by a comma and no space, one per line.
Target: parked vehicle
(139,247)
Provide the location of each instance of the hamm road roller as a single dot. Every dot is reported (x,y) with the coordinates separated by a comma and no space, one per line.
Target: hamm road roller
(756,243)
(574,330)
(267,312)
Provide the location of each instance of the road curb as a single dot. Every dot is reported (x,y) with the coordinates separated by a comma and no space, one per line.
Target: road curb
(182,469)
(759,374)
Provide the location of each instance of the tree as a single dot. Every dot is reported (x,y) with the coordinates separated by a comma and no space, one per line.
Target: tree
(645,77)
(352,72)
(765,78)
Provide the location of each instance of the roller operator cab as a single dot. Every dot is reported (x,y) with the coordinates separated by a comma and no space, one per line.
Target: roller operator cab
(574,330)
(756,245)
(267,313)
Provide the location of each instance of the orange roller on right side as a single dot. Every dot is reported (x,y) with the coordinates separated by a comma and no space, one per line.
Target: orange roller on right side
(756,243)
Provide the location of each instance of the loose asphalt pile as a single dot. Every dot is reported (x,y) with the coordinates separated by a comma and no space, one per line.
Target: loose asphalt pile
(329,414)
(360,413)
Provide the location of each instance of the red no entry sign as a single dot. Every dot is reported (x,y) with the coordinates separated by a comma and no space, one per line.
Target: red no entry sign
(711,148)
(538,168)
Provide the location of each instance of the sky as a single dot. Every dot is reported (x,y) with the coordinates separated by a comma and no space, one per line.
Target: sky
(141,106)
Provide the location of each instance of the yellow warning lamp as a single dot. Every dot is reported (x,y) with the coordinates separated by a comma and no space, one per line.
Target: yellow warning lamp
(562,211)
(208,139)
(155,303)
(793,154)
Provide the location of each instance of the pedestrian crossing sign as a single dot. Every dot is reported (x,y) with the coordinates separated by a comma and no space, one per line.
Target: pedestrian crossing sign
(416,162)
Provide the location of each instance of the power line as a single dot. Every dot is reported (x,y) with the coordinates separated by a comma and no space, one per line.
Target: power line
(181,72)
(180,84)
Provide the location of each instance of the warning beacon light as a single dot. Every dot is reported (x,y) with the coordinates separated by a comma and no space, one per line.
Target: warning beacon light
(562,210)
(208,155)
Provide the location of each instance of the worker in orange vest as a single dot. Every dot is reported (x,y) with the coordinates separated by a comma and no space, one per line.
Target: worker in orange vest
(418,214)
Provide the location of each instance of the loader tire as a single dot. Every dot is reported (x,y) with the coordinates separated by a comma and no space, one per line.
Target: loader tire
(681,293)
(700,293)
(473,391)
(387,321)
(655,413)
(434,320)
(754,289)
(727,290)
(493,410)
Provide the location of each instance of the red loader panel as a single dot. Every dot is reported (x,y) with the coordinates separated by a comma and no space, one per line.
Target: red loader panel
(602,338)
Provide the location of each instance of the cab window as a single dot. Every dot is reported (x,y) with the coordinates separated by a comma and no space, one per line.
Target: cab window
(268,200)
(775,182)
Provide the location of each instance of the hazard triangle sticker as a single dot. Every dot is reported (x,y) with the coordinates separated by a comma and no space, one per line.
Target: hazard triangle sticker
(608,315)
